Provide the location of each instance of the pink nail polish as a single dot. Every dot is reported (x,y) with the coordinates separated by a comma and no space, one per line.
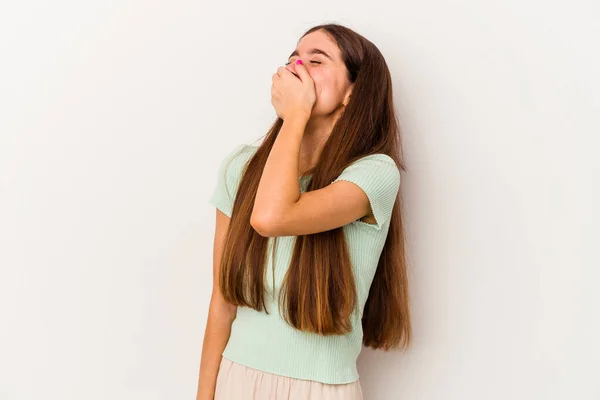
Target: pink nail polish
(298,61)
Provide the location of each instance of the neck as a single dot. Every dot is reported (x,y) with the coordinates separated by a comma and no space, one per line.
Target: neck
(316,133)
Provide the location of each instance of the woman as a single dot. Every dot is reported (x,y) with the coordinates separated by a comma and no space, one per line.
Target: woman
(309,260)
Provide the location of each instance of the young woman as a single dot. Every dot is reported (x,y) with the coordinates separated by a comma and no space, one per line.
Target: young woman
(309,259)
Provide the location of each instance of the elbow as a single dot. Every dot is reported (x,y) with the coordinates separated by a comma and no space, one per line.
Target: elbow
(222,310)
(263,224)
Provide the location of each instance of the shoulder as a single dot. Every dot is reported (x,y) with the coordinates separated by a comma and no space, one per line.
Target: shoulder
(229,176)
(378,166)
(236,158)
(240,152)
(379,177)
(377,159)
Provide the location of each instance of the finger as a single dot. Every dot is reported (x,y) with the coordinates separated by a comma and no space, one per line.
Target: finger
(302,72)
(281,70)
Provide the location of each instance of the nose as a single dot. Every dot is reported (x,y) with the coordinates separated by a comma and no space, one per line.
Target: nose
(291,69)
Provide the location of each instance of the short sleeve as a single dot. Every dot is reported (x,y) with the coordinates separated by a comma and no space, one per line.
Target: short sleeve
(228,179)
(379,177)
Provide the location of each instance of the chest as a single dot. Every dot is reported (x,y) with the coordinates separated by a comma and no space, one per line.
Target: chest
(279,255)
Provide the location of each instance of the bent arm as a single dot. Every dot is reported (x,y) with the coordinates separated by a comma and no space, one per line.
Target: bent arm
(366,188)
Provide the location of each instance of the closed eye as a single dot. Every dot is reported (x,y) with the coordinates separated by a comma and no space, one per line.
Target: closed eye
(315,62)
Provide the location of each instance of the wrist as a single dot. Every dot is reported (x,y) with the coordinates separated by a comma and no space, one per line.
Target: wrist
(297,117)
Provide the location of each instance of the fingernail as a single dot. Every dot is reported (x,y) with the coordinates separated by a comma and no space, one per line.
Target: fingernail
(298,61)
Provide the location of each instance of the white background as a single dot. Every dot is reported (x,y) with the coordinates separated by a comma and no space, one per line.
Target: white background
(115,115)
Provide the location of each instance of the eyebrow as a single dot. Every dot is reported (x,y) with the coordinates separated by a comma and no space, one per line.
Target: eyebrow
(311,51)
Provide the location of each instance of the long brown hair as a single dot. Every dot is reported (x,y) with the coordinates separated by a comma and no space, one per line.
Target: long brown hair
(318,293)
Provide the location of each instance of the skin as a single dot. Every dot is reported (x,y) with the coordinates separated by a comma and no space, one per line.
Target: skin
(309,97)
(220,318)
(331,89)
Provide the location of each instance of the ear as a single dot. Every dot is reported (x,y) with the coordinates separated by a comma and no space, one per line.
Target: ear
(348,94)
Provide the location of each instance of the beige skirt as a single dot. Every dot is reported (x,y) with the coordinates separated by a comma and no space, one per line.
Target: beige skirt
(238,382)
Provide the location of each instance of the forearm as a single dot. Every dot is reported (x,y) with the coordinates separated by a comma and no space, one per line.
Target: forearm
(279,187)
(216,336)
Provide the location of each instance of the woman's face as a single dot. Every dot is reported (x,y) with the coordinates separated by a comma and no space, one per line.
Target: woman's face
(322,59)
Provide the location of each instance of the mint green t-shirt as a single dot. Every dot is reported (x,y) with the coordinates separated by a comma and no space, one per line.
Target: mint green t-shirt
(265,341)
